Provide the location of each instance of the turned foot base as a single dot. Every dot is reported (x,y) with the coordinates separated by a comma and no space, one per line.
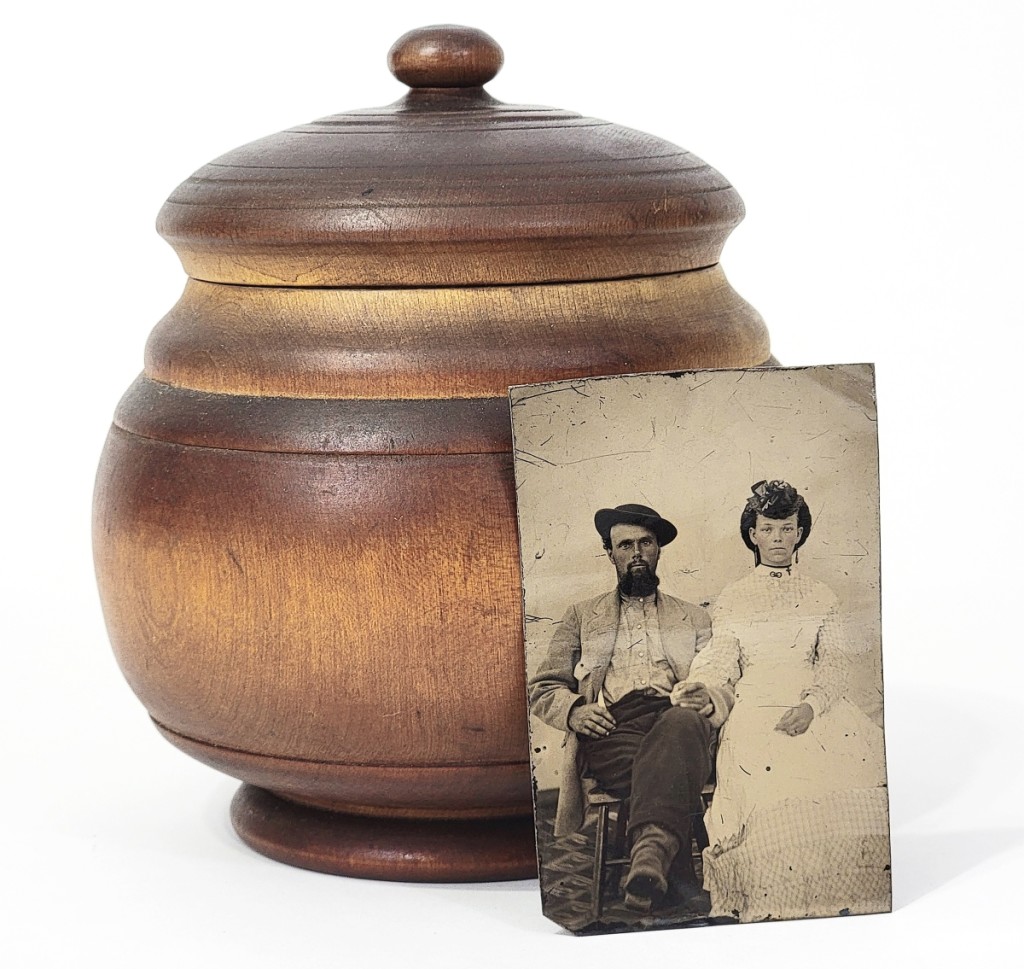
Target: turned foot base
(386,848)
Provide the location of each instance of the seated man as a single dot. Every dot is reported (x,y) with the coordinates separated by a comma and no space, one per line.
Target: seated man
(612,679)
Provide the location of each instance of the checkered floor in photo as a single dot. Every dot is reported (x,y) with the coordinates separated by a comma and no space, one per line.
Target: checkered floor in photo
(567,886)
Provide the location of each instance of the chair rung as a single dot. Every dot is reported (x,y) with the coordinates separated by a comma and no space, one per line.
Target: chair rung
(606,841)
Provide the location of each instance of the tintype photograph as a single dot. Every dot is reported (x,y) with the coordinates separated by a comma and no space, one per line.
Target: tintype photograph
(700,557)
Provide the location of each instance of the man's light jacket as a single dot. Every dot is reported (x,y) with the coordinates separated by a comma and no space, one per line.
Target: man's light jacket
(577,661)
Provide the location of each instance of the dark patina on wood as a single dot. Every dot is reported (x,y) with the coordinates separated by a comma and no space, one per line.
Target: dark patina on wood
(305,531)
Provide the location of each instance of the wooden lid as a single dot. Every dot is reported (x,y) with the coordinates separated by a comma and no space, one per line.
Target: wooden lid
(449,187)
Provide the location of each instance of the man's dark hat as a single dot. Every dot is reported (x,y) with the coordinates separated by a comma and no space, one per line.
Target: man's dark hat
(664,531)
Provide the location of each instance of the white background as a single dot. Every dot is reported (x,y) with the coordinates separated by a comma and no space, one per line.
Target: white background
(878,148)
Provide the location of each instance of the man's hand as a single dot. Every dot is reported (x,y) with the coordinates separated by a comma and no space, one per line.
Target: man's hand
(796,719)
(591,720)
(693,696)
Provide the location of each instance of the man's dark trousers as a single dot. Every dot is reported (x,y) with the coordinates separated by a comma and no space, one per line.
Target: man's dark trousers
(658,756)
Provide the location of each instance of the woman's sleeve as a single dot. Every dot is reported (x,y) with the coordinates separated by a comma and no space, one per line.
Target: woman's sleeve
(717,666)
(831,664)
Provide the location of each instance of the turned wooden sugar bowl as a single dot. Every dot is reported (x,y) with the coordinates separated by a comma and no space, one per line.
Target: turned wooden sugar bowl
(305,529)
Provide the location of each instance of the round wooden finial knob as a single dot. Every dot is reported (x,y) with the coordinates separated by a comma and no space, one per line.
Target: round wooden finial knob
(445,55)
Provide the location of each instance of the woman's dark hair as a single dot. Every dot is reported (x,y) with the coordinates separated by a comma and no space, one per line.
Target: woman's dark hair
(774,499)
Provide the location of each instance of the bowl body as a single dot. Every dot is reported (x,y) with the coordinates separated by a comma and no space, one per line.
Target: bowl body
(305,527)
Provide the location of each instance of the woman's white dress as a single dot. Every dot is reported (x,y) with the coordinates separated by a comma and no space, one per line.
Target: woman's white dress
(798,826)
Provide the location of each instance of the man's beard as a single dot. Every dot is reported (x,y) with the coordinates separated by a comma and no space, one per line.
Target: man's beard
(637,583)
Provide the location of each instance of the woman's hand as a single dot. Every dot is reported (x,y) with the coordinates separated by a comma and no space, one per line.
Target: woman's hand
(796,720)
(693,696)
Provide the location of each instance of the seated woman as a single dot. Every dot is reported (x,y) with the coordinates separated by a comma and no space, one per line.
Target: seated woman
(799,822)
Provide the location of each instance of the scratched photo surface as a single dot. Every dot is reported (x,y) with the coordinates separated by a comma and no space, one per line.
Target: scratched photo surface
(791,820)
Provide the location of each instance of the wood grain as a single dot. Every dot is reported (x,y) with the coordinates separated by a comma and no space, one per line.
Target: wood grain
(449,187)
(304,521)
(303,425)
(346,609)
(456,851)
(445,55)
(437,791)
(448,342)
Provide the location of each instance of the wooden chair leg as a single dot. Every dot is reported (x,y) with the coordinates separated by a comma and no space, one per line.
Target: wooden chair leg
(600,849)
(700,832)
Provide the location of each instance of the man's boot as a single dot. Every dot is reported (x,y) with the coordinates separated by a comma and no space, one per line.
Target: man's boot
(683,888)
(654,849)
